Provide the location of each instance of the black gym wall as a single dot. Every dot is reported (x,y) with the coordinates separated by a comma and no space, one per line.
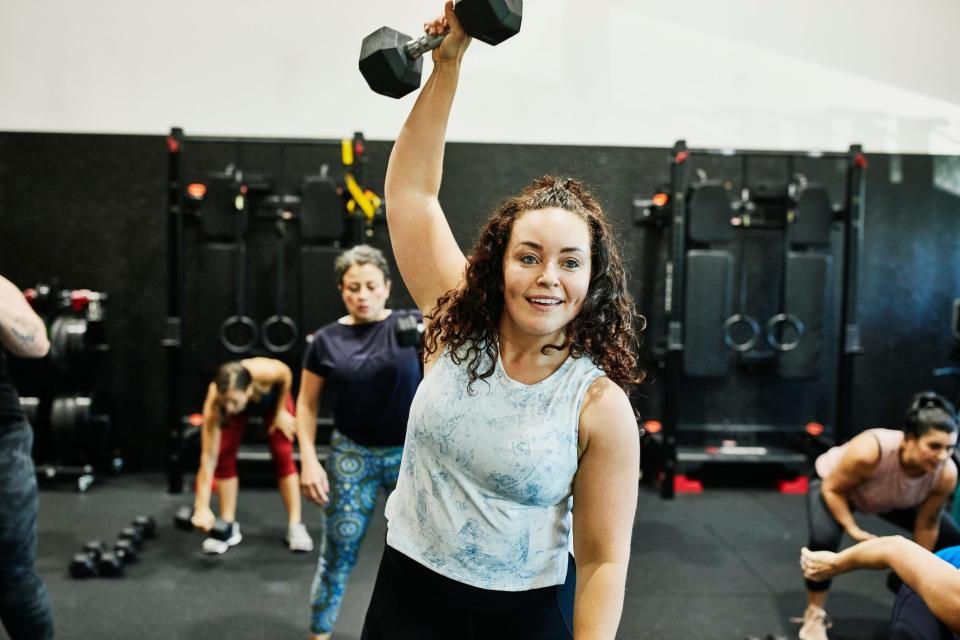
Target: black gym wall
(91,210)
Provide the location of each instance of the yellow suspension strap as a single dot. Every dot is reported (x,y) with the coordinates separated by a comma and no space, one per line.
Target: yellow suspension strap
(368,201)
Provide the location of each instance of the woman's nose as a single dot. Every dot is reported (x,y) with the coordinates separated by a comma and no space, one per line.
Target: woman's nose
(548,275)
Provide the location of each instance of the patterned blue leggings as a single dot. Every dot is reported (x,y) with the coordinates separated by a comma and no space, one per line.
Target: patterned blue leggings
(356,473)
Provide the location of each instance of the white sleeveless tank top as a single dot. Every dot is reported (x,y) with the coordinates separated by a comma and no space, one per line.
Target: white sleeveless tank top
(485,487)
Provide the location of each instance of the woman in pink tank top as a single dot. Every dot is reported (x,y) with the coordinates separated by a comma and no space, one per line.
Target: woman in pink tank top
(903,476)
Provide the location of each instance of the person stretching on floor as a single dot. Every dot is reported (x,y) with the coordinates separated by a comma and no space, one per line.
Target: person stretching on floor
(928,604)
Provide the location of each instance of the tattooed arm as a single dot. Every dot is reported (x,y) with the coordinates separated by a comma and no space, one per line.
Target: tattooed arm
(21,330)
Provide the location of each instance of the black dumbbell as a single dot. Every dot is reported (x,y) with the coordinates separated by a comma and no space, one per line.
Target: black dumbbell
(184,520)
(84,564)
(126,551)
(133,536)
(110,564)
(391,62)
(147,527)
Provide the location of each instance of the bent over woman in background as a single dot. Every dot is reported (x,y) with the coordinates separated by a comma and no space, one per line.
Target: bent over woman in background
(251,386)
(521,414)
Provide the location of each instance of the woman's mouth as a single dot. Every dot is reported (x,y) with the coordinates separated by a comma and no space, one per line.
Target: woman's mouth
(544,303)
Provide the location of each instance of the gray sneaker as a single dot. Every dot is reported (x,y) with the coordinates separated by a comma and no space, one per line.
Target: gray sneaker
(297,538)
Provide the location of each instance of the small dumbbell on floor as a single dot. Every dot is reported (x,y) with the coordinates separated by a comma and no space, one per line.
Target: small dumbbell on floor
(84,564)
(146,526)
(95,559)
(184,520)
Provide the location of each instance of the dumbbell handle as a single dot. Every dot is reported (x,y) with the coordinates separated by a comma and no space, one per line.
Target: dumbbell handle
(419,46)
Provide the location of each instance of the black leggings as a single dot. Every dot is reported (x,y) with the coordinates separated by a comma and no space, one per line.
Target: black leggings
(913,620)
(825,531)
(410,602)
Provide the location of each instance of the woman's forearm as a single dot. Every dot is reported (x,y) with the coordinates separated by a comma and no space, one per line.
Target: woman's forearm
(936,581)
(416,162)
(204,483)
(840,509)
(306,430)
(599,600)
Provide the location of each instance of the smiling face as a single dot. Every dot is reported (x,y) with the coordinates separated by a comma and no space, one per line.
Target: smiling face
(365,292)
(930,450)
(546,273)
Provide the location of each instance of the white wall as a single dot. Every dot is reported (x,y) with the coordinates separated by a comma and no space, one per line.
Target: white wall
(818,74)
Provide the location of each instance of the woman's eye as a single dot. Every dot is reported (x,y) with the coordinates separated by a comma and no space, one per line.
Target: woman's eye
(528,259)
(571,263)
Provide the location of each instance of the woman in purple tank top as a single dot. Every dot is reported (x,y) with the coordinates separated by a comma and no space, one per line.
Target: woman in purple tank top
(905,477)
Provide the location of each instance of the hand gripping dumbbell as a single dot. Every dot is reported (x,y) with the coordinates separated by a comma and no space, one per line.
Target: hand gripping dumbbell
(184,520)
(391,62)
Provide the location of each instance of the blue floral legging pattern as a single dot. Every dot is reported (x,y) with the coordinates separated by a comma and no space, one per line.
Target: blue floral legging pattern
(356,474)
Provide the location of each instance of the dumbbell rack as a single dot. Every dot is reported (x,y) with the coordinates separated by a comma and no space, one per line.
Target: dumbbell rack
(59,393)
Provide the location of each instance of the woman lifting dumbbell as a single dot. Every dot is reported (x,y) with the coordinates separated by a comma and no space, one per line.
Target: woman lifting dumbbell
(903,476)
(367,362)
(529,344)
(259,386)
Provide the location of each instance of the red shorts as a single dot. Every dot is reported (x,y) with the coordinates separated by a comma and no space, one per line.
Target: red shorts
(281,449)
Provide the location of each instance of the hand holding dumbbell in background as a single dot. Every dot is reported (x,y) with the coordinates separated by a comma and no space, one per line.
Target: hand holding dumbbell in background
(187,520)
(392,62)
(203,519)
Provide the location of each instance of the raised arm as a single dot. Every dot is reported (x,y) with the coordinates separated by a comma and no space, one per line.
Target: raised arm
(856,465)
(313,479)
(604,504)
(430,261)
(936,581)
(21,330)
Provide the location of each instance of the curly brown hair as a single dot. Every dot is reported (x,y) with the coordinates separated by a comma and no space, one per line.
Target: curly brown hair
(466,319)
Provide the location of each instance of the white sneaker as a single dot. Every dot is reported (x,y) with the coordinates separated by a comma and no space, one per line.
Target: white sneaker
(213,546)
(298,539)
(815,624)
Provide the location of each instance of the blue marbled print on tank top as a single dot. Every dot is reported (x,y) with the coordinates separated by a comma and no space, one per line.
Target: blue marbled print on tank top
(486,479)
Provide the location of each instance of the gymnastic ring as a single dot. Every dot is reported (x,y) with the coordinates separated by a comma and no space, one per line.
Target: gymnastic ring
(734,320)
(233,321)
(793,321)
(279,347)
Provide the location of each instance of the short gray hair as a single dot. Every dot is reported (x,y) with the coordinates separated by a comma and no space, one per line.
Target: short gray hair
(361,254)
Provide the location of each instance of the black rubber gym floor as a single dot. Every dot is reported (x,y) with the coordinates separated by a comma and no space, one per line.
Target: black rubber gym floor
(723,564)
